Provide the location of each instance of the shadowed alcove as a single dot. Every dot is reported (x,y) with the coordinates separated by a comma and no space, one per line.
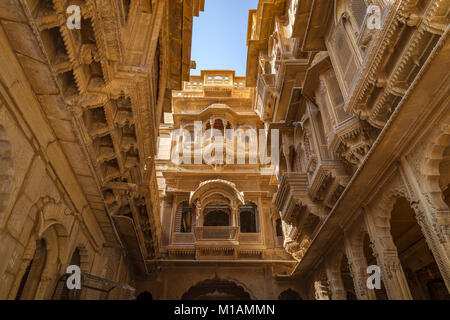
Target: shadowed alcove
(216,289)
(217,215)
(289,294)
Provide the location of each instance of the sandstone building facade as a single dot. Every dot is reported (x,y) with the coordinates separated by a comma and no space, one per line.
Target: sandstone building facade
(93,172)
(80,112)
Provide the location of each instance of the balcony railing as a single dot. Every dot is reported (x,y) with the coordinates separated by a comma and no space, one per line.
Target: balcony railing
(193,86)
(250,238)
(213,233)
(180,238)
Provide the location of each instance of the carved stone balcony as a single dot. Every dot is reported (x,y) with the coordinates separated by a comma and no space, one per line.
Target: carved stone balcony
(397,53)
(265,101)
(299,234)
(352,140)
(327,177)
(213,242)
(293,188)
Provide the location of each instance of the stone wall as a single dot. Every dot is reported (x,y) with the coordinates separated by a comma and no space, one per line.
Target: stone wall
(35,205)
(40,198)
(255,279)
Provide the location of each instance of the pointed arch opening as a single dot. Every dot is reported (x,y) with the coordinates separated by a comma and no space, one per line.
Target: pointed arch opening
(145,295)
(32,277)
(421,270)
(289,294)
(216,289)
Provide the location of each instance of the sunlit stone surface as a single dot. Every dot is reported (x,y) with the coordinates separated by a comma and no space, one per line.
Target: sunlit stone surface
(357,91)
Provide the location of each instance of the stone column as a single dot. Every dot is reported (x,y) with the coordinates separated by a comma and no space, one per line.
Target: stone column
(48,282)
(427,209)
(439,246)
(198,215)
(386,253)
(321,289)
(358,268)
(234,212)
(166,218)
(334,276)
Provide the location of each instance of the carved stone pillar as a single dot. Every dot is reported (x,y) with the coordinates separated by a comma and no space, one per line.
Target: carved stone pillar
(234,216)
(438,245)
(334,276)
(358,268)
(386,253)
(321,288)
(427,209)
(48,281)
(198,221)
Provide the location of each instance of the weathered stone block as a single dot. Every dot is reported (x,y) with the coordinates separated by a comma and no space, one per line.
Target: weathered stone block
(23,40)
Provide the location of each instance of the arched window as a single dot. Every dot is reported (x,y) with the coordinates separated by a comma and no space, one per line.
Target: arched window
(186,217)
(289,294)
(248,221)
(216,218)
(278,228)
(218,124)
(183,217)
(216,215)
(247,218)
(145,295)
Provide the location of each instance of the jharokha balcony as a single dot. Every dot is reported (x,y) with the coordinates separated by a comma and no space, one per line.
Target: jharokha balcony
(216,223)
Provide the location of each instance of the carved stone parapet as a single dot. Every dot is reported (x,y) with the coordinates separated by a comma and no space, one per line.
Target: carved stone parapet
(405,22)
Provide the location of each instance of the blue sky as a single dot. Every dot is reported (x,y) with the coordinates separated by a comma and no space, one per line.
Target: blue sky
(220,34)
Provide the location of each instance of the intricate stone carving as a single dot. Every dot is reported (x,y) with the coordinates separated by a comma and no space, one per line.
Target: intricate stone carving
(399,79)
(353,141)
